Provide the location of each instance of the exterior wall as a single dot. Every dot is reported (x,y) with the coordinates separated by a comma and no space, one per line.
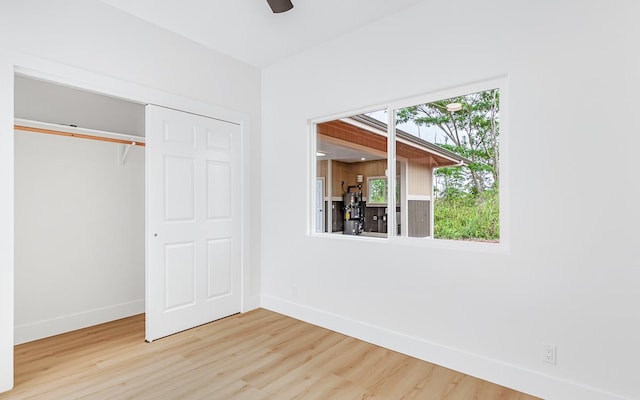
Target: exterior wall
(420,196)
(420,179)
(419,218)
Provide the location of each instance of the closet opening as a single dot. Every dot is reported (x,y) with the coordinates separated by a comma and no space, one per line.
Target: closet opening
(79,197)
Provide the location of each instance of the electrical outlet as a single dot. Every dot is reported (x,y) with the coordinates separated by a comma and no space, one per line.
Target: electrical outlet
(549,353)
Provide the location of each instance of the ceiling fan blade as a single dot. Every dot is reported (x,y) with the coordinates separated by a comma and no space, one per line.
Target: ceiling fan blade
(280,6)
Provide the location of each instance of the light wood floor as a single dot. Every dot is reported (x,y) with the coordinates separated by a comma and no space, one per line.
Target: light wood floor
(257,355)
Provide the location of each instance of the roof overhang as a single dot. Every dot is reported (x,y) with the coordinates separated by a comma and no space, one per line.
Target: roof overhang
(369,136)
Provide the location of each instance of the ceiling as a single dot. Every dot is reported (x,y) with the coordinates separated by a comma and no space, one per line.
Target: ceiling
(247,29)
(346,154)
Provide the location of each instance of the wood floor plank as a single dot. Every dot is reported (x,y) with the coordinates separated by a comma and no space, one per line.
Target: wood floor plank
(300,348)
(331,387)
(298,380)
(258,355)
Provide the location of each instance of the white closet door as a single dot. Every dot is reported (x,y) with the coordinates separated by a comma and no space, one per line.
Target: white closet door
(193,264)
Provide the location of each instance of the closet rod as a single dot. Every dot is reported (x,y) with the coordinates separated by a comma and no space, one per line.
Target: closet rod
(77,135)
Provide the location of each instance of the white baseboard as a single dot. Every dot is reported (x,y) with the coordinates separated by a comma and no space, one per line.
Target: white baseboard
(501,373)
(55,326)
(251,303)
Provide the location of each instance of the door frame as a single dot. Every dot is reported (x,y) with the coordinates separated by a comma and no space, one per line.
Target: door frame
(12,63)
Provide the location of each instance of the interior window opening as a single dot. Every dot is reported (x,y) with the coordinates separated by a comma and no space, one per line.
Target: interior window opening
(446,156)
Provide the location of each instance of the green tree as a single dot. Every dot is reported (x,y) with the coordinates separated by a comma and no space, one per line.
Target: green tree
(466,198)
(470,125)
(378,191)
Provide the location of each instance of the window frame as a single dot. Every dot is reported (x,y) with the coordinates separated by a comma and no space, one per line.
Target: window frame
(391,107)
(386,184)
(377,204)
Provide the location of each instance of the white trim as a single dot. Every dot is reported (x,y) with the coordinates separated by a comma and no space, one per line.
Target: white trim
(392,158)
(6,223)
(418,197)
(247,303)
(312,174)
(496,82)
(329,193)
(477,365)
(84,131)
(66,323)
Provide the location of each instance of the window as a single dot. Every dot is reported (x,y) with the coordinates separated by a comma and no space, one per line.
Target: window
(445,156)
(460,184)
(348,152)
(377,190)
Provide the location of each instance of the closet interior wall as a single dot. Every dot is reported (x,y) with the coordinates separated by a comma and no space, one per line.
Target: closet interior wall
(79,213)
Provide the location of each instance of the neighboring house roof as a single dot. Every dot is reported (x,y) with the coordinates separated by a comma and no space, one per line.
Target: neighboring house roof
(400,134)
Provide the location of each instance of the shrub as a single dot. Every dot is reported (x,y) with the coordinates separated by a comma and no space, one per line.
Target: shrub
(467,217)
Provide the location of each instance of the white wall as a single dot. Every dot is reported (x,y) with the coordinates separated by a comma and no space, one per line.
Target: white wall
(89,44)
(45,102)
(571,273)
(6,224)
(79,234)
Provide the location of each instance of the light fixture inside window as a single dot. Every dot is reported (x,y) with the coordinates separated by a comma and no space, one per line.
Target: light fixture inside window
(451,107)
(363,158)
(320,154)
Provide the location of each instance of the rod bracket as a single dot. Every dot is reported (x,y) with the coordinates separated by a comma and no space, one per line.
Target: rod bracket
(125,151)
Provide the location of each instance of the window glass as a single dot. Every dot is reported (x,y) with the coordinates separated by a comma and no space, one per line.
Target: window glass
(349,151)
(377,189)
(449,151)
(445,163)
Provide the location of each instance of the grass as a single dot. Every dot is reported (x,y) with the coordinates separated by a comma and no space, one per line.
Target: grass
(467,217)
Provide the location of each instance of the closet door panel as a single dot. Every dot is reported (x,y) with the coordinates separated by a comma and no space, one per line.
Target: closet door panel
(193,221)
(180,275)
(220,135)
(179,189)
(218,190)
(220,268)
